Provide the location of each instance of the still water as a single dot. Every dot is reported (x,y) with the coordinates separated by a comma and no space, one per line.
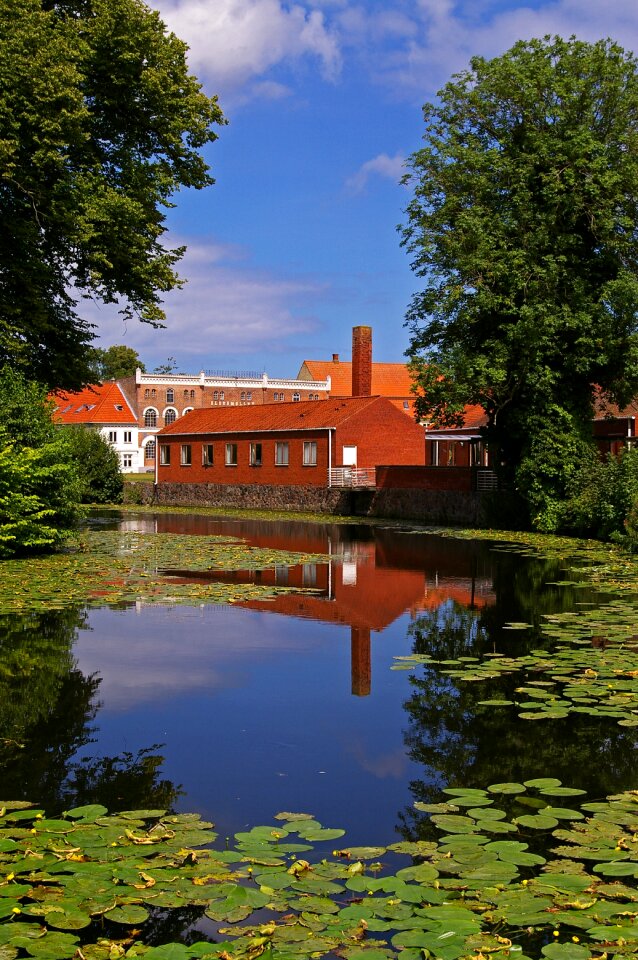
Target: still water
(238,712)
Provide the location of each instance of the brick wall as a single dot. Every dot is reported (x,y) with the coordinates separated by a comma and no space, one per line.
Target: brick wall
(386,437)
(361,361)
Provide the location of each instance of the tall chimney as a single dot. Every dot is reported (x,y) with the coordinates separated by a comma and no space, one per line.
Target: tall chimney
(361,361)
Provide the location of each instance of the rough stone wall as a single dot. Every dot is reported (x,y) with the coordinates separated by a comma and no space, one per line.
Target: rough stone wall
(441,507)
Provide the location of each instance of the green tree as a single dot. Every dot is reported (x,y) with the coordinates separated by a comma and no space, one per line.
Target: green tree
(523,227)
(101,124)
(98,465)
(115,362)
(39,485)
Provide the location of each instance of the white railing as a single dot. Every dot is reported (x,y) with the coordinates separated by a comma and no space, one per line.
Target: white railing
(352,477)
(486,479)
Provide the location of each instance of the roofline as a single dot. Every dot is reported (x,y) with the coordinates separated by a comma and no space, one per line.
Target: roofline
(203,433)
(252,383)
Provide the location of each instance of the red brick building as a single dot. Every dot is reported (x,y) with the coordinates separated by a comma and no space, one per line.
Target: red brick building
(312,443)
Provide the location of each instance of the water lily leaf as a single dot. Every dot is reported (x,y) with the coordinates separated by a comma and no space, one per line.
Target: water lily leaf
(539,821)
(543,782)
(129,913)
(90,811)
(506,788)
(362,853)
(566,951)
(53,946)
(620,868)
(563,813)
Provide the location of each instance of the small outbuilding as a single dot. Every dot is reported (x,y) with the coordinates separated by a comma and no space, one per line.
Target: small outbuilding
(336,442)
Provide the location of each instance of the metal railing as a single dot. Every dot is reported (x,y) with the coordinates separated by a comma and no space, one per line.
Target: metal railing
(486,479)
(352,477)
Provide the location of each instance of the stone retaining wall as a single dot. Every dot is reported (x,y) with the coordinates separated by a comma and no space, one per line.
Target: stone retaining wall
(443,507)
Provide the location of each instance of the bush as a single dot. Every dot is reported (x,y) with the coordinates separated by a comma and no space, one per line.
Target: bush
(603,497)
(39,485)
(97,463)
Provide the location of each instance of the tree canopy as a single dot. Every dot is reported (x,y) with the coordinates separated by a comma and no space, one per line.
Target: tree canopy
(100,124)
(524,228)
(115,362)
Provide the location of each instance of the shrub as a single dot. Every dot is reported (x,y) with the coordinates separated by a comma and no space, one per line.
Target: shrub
(98,465)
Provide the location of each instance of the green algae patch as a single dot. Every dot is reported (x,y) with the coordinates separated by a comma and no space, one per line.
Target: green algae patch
(97,886)
(111,567)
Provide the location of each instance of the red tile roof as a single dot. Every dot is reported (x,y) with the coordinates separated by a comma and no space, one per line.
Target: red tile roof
(388,379)
(101,403)
(268,417)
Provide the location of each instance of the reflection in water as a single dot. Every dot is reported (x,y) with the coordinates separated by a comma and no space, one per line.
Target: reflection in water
(291,703)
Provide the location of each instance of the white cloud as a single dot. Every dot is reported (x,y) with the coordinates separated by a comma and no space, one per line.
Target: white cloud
(234,41)
(227,307)
(382,165)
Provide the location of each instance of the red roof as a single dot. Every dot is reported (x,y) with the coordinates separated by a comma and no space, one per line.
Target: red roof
(101,403)
(388,379)
(270,417)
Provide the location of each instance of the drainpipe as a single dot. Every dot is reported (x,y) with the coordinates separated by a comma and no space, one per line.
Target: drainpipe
(156,460)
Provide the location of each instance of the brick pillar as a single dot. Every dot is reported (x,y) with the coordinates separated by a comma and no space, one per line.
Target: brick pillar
(361,361)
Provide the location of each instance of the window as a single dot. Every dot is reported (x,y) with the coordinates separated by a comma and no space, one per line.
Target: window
(169,417)
(215,395)
(310,453)
(221,394)
(186,410)
(231,454)
(186,455)
(170,396)
(149,450)
(281,454)
(282,396)
(296,398)
(243,396)
(275,396)
(147,393)
(309,574)
(118,406)
(207,454)
(128,436)
(127,461)
(406,405)
(112,436)
(255,454)
(249,395)
(192,394)
(165,454)
(150,418)
(185,394)
(153,393)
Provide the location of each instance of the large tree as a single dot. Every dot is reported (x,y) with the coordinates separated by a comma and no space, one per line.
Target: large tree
(524,228)
(115,362)
(100,124)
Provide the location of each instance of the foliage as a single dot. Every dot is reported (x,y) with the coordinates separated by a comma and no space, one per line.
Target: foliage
(602,495)
(102,123)
(115,362)
(486,886)
(522,227)
(98,465)
(39,486)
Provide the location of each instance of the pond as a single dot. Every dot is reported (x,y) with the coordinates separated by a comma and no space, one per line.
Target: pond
(292,701)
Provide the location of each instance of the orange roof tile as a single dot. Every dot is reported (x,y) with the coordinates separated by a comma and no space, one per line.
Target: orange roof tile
(268,417)
(101,403)
(388,379)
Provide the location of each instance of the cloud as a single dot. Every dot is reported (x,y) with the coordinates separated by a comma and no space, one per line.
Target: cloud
(233,41)
(227,307)
(382,165)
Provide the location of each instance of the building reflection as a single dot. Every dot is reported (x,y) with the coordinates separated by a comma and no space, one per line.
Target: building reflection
(371,577)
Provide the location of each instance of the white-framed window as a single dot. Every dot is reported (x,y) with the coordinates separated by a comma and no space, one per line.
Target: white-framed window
(243,396)
(207,454)
(215,396)
(255,454)
(249,395)
(231,454)
(112,436)
(165,454)
(147,394)
(296,397)
(310,453)
(170,396)
(186,455)
(186,410)
(127,461)
(153,393)
(222,395)
(128,436)
(149,450)
(281,454)
(170,416)
(150,417)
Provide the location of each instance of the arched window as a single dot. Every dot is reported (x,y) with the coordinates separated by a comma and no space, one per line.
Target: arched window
(169,416)
(153,393)
(192,394)
(296,398)
(150,417)
(215,395)
(243,395)
(186,410)
(185,394)
(221,395)
(149,450)
(170,395)
(147,393)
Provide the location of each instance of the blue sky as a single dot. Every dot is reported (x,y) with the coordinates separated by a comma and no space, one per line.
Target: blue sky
(296,242)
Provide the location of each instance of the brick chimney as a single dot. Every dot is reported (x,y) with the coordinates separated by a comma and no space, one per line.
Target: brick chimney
(361,361)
